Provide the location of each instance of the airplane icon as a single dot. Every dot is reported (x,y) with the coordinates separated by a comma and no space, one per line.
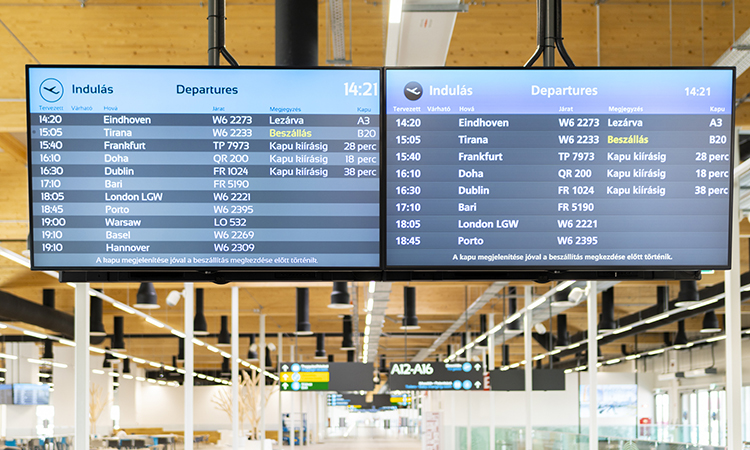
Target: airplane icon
(414,91)
(51,90)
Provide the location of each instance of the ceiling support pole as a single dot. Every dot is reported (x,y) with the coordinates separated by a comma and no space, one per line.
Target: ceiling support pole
(235,302)
(187,384)
(733,325)
(528,299)
(593,354)
(82,366)
(262,362)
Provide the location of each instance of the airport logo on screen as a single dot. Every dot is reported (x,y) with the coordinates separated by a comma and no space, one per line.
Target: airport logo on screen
(436,376)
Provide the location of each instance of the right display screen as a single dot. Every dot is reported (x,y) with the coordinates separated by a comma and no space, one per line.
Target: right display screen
(559,168)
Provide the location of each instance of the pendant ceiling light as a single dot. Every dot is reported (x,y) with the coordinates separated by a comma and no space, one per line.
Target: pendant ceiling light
(224,338)
(330,358)
(681,337)
(200,327)
(350,356)
(320,348)
(710,323)
(688,293)
(346,342)
(303,312)
(252,350)
(225,370)
(146,297)
(340,296)
(383,367)
(410,322)
(118,339)
(96,326)
(506,355)
(126,365)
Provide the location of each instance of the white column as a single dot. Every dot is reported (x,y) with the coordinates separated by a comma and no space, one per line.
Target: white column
(592,367)
(262,356)
(189,365)
(82,363)
(235,342)
(491,358)
(280,357)
(527,368)
(734,326)
(291,403)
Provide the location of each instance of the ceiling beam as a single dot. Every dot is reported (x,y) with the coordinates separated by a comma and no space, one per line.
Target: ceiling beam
(13,147)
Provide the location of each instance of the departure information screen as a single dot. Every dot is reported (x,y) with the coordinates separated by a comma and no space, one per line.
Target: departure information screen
(194,167)
(558,168)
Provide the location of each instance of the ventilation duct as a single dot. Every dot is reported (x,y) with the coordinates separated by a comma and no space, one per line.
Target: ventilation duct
(340,296)
(303,312)
(200,327)
(224,338)
(118,339)
(320,347)
(146,297)
(346,342)
(410,322)
(563,337)
(607,319)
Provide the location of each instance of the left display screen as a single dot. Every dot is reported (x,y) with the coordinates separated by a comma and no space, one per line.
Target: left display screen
(181,168)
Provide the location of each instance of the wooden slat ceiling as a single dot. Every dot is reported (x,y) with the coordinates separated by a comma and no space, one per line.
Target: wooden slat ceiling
(174,32)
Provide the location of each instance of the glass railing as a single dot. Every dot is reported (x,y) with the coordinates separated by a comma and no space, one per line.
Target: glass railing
(609,438)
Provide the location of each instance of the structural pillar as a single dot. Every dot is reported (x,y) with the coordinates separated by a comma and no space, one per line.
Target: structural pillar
(235,342)
(189,364)
(82,366)
(529,363)
(593,354)
(734,324)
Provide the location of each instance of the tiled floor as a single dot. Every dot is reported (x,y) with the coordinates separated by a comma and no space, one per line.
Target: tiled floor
(365,443)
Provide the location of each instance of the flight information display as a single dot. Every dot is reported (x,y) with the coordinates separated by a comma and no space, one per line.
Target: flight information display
(179,168)
(558,168)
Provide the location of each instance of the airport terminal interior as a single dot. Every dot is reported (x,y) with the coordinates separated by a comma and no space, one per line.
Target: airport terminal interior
(266,356)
